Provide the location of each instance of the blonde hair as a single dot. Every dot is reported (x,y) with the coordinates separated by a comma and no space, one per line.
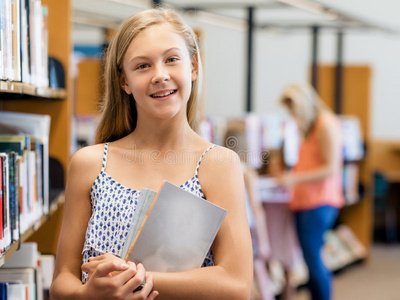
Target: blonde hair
(118,110)
(304,103)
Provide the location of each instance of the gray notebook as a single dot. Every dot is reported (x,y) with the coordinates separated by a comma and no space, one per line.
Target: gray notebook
(172,230)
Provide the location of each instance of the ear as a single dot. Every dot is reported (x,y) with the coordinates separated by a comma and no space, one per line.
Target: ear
(124,84)
(195,67)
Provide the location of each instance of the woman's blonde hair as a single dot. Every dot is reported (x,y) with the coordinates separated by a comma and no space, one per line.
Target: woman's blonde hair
(118,110)
(303,102)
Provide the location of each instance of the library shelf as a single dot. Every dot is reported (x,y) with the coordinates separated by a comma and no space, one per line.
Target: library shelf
(18,88)
(55,205)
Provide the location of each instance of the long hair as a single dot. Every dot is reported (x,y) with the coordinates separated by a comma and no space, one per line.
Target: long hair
(304,103)
(118,110)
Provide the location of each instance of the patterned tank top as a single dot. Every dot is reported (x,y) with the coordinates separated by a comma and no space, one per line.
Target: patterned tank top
(113,207)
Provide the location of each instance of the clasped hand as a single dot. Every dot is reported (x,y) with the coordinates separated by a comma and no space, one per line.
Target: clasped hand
(110,277)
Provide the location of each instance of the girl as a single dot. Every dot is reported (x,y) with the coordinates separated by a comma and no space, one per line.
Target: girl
(317,194)
(152,90)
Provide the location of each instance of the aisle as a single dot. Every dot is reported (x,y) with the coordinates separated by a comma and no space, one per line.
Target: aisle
(377,279)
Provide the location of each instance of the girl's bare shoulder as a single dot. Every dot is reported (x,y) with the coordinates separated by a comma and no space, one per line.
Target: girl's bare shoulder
(220,160)
(88,160)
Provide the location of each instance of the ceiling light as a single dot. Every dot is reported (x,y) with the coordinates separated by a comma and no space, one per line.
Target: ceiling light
(134,3)
(217,20)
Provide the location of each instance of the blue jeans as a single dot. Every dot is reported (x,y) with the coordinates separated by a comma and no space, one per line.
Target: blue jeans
(311,226)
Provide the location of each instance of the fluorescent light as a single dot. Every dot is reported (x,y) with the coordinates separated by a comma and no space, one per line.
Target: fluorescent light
(134,3)
(313,7)
(217,20)
(94,20)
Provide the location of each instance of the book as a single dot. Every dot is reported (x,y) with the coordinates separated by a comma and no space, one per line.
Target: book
(1,204)
(25,276)
(3,290)
(6,202)
(17,144)
(37,127)
(17,290)
(172,230)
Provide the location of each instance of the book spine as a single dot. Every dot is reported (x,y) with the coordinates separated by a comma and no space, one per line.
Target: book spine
(16,40)
(25,42)
(13,187)
(6,204)
(1,42)
(1,203)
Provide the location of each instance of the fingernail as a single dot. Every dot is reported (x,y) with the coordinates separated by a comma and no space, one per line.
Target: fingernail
(124,265)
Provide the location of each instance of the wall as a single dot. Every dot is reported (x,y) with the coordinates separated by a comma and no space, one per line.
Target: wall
(284,57)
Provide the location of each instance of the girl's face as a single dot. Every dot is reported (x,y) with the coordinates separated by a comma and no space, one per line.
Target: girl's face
(158,71)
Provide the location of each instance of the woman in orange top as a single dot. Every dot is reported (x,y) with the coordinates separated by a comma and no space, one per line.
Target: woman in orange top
(316,180)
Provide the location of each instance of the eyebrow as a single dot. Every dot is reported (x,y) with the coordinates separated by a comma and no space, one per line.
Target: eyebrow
(145,57)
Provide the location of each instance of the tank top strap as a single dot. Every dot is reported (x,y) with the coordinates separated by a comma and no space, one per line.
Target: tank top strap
(103,167)
(201,157)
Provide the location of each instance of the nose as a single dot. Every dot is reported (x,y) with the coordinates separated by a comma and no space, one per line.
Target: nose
(161,74)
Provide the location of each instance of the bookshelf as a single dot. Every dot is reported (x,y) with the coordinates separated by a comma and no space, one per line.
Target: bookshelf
(10,89)
(18,97)
(356,101)
(55,206)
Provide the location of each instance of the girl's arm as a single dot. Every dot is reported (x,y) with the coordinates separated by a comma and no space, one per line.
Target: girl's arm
(221,178)
(77,211)
(329,138)
(250,180)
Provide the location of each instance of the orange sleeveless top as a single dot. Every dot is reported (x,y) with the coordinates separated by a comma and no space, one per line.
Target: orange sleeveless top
(327,191)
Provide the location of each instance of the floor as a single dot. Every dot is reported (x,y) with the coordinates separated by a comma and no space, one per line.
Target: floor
(376,279)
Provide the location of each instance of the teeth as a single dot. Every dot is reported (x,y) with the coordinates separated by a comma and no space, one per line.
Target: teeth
(162,94)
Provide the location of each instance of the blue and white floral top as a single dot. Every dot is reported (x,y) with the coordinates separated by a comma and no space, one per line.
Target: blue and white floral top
(113,207)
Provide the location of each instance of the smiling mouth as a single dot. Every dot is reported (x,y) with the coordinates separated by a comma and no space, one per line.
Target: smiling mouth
(163,94)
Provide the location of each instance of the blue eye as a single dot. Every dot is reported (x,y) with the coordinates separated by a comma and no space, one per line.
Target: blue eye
(172,59)
(142,66)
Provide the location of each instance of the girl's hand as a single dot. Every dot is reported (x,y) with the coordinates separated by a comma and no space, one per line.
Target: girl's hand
(90,266)
(112,278)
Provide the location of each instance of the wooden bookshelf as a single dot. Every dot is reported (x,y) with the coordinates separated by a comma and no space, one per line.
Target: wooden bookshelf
(356,101)
(22,89)
(41,101)
(56,205)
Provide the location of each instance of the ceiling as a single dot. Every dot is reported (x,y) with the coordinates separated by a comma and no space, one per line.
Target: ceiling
(91,17)
(290,14)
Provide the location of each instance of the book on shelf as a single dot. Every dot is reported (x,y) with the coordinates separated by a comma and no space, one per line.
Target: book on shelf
(24,267)
(353,146)
(6,241)
(3,290)
(37,128)
(17,150)
(23,276)
(7,39)
(24,42)
(1,204)
(16,40)
(172,229)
